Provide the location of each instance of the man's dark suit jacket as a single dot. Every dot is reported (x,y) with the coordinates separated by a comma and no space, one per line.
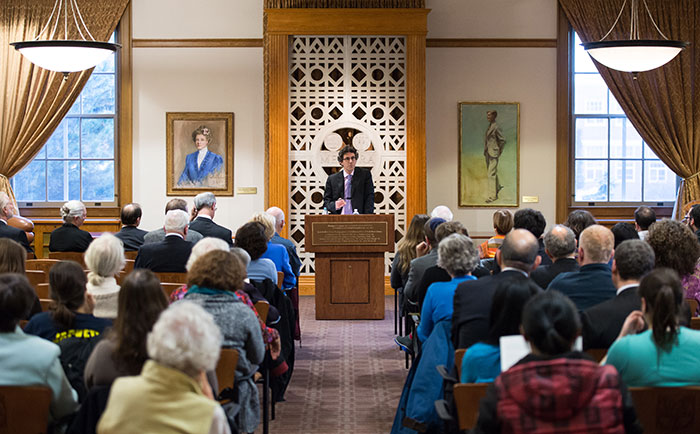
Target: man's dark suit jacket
(132,237)
(7,231)
(472,307)
(208,228)
(544,274)
(540,251)
(602,323)
(590,285)
(69,238)
(437,274)
(361,191)
(294,260)
(167,256)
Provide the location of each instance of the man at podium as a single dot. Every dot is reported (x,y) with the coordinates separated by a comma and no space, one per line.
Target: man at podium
(351,189)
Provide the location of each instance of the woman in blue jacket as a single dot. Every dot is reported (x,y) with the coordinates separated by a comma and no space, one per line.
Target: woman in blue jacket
(203,163)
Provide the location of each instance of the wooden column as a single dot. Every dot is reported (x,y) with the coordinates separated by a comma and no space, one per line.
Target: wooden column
(415,126)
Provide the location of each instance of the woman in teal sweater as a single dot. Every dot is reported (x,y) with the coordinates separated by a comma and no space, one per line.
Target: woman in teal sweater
(666,354)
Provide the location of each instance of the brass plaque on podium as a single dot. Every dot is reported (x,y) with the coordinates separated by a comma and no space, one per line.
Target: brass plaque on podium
(349,233)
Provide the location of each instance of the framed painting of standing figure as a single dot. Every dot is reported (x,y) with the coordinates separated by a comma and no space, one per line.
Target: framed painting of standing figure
(199,153)
(489,135)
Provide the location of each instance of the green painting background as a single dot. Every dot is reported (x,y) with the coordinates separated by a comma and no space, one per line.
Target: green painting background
(472,166)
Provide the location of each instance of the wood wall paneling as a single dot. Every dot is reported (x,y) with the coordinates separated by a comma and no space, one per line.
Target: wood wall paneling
(199,43)
(44,226)
(416,200)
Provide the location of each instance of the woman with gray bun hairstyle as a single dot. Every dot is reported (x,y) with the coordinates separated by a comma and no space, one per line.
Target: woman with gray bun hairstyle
(69,237)
(172,393)
(105,259)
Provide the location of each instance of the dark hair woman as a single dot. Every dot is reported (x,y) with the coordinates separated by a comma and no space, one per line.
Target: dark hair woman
(666,354)
(554,389)
(12,260)
(123,351)
(406,252)
(482,361)
(251,238)
(29,360)
(579,220)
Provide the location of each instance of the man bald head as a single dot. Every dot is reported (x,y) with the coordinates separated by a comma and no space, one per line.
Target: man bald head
(519,250)
(560,242)
(596,245)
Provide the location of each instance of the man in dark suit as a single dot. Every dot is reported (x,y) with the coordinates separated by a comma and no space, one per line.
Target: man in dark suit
(601,323)
(159,234)
(294,260)
(472,301)
(171,254)
(205,208)
(533,221)
(592,283)
(6,231)
(350,189)
(560,246)
(130,234)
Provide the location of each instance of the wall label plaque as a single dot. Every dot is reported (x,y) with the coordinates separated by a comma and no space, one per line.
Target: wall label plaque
(349,233)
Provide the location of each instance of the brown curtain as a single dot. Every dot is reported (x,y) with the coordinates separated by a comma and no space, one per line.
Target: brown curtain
(663,104)
(34,100)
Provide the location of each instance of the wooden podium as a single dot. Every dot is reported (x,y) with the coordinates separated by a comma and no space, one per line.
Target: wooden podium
(349,263)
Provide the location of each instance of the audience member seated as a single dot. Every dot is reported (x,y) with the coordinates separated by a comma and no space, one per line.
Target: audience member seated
(692,219)
(169,255)
(204,211)
(592,284)
(28,360)
(533,221)
(130,234)
(294,260)
(213,280)
(12,260)
(560,246)
(251,238)
(624,231)
(502,224)
(159,234)
(104,260)
(457,255)
(472,301)
(666,354)
(602,323)
(69,237)
(443,212)
(482,361)
(644,217)
(405,253)
(123,352)
(69,321)
(7,210)
(676,247)
(172,393)
(426,257)
(275,252)
(554,389)
(579,220)
(273,315)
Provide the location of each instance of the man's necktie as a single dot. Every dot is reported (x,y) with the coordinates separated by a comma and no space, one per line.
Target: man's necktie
(347,209)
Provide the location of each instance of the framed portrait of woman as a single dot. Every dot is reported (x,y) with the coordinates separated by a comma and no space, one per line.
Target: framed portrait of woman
(199,153)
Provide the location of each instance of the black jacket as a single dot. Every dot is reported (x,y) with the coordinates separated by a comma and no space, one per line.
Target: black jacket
(602,323)
(69,238)
(361,191)
(208,228)
(7,231)
(544,274)
(167,256)
(132,237)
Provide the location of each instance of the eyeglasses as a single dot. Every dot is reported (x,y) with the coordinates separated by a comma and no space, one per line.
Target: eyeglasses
(349,158)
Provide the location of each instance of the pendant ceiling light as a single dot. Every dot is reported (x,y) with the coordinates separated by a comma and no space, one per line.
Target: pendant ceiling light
(634,54)
(65,55)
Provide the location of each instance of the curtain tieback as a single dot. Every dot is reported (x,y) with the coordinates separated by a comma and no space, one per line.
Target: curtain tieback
(695,175)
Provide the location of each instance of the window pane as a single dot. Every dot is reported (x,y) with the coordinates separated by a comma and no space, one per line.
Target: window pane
(65,180)
(591,96)
(591,138)
(615,108)
(97,138)
(659,182)
(582,61)
(591,180)
(649,154)
(30,182)
(75,108)
(625,181)
(64,142)
(624,140)
(98,180)
(98,94)
(106,66)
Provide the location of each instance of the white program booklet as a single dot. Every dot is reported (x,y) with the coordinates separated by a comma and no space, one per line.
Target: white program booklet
(515,347)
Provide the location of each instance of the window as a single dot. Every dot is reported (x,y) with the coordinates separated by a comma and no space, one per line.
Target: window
(611,162)
(78,161)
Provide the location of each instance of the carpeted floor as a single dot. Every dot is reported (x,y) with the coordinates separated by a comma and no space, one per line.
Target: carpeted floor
(347,378)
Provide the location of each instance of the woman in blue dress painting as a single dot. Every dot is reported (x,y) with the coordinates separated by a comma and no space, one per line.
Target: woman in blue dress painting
(203,163)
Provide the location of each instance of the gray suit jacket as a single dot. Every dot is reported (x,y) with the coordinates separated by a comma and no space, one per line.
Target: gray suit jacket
(159,235)
(415,273)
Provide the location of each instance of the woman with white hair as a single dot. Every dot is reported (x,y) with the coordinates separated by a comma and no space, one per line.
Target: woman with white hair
(172,393)
(457,255)
(105,259)
(69,237)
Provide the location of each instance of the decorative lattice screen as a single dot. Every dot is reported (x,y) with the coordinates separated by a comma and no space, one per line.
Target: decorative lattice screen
(346,90)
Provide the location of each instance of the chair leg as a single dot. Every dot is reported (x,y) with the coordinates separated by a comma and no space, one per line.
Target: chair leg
(396,311)
(266,400)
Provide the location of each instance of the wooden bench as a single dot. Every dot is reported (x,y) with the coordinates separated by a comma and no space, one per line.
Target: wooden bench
(41,264)
(69,256)
(172,277)
(25,409)
(667,409)
(226,368)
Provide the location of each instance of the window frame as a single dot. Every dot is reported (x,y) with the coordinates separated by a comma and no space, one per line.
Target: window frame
(123,132)
(604,212)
